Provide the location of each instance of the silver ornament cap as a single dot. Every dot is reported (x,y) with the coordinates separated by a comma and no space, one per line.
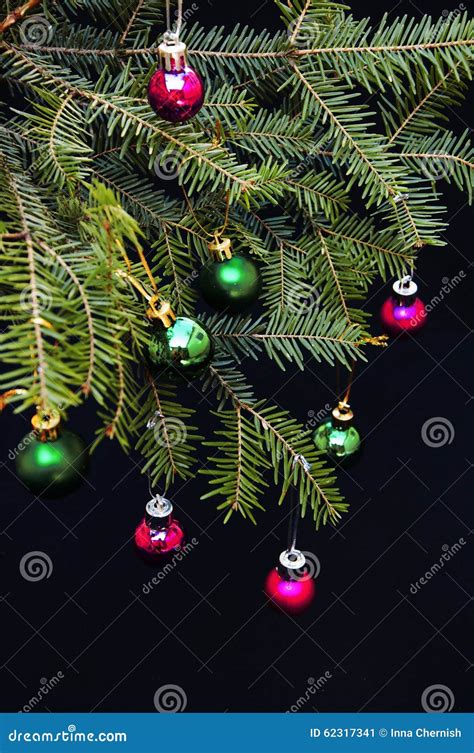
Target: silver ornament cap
(405,287)
(292,559)
(159,508)
(172,53)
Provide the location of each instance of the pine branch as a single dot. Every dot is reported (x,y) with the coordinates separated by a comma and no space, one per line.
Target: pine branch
(17,14)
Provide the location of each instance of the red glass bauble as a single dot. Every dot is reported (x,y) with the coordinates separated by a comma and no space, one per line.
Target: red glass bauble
(154,542)
(292,596)
(176,96)
(397,318)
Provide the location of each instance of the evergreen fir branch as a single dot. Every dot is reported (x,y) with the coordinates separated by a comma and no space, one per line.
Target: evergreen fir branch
(415,111)
(15,15)
(358,236)
(443,156)
(238,466)
(172,258)
(60,138)
(273,134)
(288,336)
(203,163)
(316,193)
(36,295)
(292,456)
(228,382)
(166,438)
(86,387)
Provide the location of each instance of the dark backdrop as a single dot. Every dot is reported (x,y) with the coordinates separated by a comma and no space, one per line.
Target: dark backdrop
(206,627)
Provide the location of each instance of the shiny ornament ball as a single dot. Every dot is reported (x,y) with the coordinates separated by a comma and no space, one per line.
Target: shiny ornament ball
(293,596)
(52,468)
(398,317)
(176,96)
(230,285)
(155,542)
(182,351)
(339,442)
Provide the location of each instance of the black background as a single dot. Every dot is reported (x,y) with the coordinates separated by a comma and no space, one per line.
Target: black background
(206,627)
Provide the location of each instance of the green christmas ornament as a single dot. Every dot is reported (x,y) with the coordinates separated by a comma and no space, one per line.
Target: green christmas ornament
(51,462)
(182,350)
(337,436)
(229,283)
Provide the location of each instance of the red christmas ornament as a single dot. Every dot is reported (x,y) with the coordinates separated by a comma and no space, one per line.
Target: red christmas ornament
(175,91)
(403,311)
(288,586)
(158,533)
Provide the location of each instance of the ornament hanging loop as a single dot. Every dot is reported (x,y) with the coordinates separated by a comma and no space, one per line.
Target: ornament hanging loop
(164,313)
(174,29)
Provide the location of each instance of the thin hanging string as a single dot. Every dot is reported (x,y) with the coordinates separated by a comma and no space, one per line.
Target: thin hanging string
(217,234)
(179,20)
(345,399)
(293,523)
(143,261)
(294,516)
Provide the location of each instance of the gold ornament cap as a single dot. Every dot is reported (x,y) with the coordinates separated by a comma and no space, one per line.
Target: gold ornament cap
(164,313)
(221,248)
(343,414)
(45,424)
(172,53)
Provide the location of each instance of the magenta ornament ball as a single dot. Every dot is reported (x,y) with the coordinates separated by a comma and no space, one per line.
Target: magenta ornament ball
(176,96)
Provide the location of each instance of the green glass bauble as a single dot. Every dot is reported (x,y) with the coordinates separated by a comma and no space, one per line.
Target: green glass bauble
(339,442)
(52,468)
(183,350)
(232,284)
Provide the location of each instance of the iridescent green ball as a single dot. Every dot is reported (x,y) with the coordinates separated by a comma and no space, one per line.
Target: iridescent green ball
(232,285)
(182,351)
(339,442)
(52,468)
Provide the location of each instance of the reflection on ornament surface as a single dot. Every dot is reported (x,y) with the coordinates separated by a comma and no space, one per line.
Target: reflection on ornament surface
(52,468)
(183,350)
(168,538)
(397,318)
(176,96)
(293,596)
(233,284)
(338,442)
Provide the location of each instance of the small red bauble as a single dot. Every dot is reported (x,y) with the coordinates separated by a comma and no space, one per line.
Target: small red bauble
(159,533)
(175,91)
(403,311)
(176,96)
(288,586)
(293,596)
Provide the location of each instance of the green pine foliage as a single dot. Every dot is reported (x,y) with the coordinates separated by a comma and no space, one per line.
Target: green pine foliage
(326,146)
